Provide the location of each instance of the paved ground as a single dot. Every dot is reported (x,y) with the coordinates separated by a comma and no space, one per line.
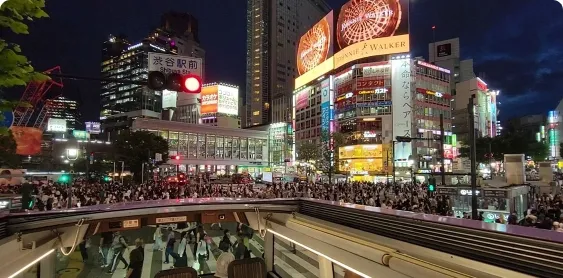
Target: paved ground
(289,262)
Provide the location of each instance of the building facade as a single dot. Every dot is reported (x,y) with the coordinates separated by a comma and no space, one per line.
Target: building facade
(485,109)
(369,105)
(273,30)
(211,149)
(64,109)
(123,102)
(447,54)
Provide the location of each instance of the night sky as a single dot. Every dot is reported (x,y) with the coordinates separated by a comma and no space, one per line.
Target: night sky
(515,43)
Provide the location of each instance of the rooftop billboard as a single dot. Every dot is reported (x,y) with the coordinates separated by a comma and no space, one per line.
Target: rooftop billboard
(316,45)
(219,98)
(364,28)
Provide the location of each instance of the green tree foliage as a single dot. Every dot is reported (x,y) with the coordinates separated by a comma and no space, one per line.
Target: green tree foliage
(134,148)
(15,69)
(8,156)
(307,151)
(510,143)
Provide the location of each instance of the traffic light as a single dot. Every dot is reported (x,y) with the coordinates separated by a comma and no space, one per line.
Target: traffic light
(64,178)
(431,184)
(189,83)
(107,179)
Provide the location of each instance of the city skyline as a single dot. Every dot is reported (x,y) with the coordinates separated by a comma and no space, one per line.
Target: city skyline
(521,71)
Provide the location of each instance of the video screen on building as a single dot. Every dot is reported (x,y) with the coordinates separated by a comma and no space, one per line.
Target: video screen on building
(28,140)
(444,50)
(362,29)
(367,28)
(362,20)
(316,45)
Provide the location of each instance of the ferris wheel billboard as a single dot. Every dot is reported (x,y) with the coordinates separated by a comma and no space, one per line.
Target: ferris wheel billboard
(359,29)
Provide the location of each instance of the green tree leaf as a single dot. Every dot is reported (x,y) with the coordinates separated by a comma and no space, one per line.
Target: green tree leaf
(8,156)
(15,69)
(134,149)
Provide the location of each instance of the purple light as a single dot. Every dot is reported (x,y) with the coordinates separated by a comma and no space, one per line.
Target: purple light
(172,43)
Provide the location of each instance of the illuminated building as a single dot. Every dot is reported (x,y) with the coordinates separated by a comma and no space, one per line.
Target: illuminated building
(65,109)
(553,140)
(486,110)
(369,95)
(123,102)
(273,30)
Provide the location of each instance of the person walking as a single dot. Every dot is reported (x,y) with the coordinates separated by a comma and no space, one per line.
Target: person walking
(157,236)
(136,258)
(118,247)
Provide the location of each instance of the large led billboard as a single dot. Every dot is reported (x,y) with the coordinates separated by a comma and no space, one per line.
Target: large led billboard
(363,20)
(316,45)
(28,140)
(219,98)
(364,28)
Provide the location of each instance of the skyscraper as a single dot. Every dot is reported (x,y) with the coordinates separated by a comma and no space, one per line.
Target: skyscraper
(123,102)
(273,30)
(65,109)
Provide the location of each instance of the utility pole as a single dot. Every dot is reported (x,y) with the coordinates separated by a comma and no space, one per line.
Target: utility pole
(473,156)
(393,160)
(442,159)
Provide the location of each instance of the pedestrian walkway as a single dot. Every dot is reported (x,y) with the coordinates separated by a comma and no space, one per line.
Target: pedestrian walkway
(289,261)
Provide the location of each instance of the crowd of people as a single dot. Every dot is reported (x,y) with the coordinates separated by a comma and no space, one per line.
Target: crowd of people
(544,210)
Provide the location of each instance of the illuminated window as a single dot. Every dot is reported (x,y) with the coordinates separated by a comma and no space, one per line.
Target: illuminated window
(256,113)
(266,106)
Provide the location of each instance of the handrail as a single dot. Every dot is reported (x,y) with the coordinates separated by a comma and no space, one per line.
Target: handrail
(536,257)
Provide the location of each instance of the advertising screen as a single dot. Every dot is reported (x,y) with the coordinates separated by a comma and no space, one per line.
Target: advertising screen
(363,20)
(209,99)
(444,50)
(316,45)
(227,98)
(362,29)
(368,28)
(28,140)
(56,125)
(81,134)
(302,99)
(93,127)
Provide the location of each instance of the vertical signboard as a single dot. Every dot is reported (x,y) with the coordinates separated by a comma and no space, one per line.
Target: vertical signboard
(169,99)
(402,105)
(325,110)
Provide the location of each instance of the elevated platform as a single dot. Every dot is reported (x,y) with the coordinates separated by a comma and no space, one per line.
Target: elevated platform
(300,236)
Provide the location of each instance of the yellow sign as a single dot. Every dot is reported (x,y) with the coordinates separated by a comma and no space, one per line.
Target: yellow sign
(360,151)
(315,73)
(175,219)
(373,47)
(131,223)
(369,48)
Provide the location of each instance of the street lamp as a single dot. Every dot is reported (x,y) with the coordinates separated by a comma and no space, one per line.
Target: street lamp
(72,154)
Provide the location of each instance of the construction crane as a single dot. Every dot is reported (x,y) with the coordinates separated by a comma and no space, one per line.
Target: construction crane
(33,95)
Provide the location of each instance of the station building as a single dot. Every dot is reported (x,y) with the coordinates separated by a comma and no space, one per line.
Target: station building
(218,150)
